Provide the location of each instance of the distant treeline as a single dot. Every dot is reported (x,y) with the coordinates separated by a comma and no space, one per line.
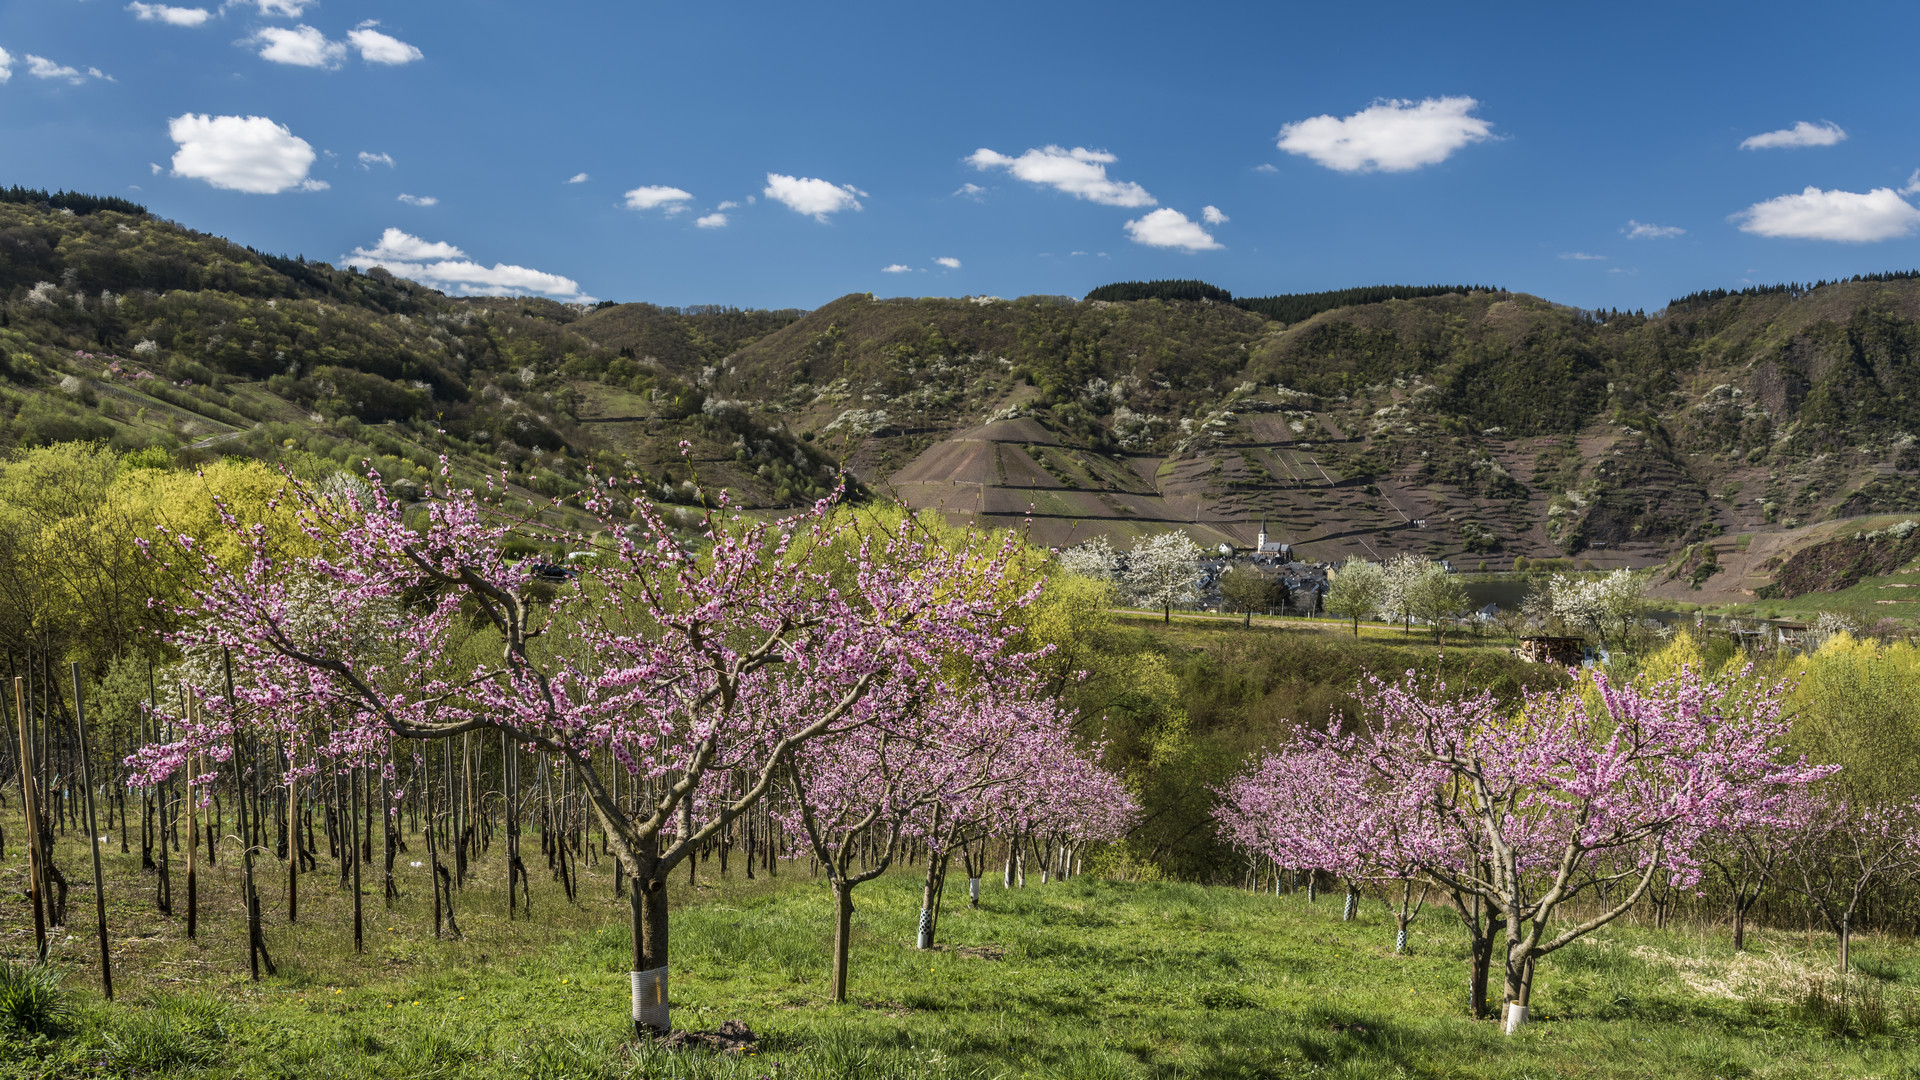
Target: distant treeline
(1288,308)
(1793,289)
(70,200)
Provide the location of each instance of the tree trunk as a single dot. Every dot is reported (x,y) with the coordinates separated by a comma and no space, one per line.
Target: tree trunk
(1480,968)
(842,938)
(1519,992)
(1739,927)
(649,975)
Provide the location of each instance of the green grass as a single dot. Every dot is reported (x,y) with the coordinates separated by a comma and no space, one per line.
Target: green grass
(1083,979)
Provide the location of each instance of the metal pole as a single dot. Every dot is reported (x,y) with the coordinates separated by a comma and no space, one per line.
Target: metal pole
(93,837)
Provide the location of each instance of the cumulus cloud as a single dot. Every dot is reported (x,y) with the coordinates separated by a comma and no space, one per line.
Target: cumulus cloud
(6,65)
(1582,256)
(378,48)
(654,197)
(241,153)
(398,246)
(807,195)
(949,262)
(1391,135)
(1911,187)
(1169,228)
(1847,216)
(727,204)
(1213,215)
(418,200)
(302,46)
(1079,172)
(711,221)
(578,178)
(446,267)
(1266,167)
(896,268)
(970,191)
(368,159)
(1640,230)
(172,16)
(42,68)
(288,9)
(1824,133)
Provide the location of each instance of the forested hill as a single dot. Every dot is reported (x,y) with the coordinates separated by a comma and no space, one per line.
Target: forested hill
(1465,423)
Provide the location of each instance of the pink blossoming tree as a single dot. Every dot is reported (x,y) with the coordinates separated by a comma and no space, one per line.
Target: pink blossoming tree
(1593,791)
(696,674)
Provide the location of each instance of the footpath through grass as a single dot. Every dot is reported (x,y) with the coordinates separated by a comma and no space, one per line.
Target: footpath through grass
(1083,979)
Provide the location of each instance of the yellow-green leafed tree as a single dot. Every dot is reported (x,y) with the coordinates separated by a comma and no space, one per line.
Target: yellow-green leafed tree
(74,576)
(1854,707)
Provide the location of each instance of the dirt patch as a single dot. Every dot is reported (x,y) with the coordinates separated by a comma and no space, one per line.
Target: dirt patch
(731,1037)
(977,952)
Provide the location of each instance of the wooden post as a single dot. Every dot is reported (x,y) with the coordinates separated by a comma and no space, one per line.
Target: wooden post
(93,836)
(193,828)
(31,806)
(293,842)
(355,780)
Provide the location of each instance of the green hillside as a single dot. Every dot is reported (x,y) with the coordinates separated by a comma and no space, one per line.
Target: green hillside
(1470,424)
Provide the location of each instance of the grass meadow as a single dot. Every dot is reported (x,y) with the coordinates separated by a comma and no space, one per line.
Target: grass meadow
(1083,979)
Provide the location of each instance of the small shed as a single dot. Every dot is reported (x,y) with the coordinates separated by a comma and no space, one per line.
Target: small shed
(1548,649)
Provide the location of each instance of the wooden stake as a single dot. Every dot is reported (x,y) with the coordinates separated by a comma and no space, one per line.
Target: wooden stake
(93,837)
(31,806)
(193,828)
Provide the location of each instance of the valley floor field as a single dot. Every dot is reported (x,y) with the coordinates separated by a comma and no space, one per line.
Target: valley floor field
(1090,979)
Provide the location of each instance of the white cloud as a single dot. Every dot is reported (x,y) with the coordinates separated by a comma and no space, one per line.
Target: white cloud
(1581,256)
(42,68)
(807,195)
(1390,135)
(578,178)
(398,246)
(6,65)
(302,46)
(970,191)
(1851,217)
(155,166)
(172,16)
(1079,172)
(289,9)
(1824,133)
(949,262)
(897,268)
(1911,187)
(1213,215)
(368,159)
(1266,168)
(1170,228)
(241,153)
(1640,230)
(419,200)
(711,221)
(652,198)
(378,48)
(446,267)
(728,204)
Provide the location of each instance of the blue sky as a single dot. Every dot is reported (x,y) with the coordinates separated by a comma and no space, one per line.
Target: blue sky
(1515,145)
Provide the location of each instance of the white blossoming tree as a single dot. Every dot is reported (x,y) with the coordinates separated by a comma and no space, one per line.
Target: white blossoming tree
(1162,571)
